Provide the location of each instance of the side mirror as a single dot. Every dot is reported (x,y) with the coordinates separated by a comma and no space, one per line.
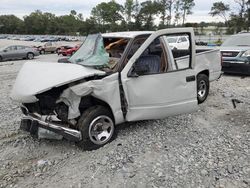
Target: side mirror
(5,50)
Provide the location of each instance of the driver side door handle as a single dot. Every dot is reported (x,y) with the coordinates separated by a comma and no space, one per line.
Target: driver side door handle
(190,78)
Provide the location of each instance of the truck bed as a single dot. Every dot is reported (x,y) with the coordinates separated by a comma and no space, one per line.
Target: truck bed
(206,59)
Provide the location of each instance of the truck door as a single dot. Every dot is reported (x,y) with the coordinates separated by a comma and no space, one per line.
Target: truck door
(154,86)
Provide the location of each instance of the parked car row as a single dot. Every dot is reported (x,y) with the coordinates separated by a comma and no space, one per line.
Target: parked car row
(39,38)
(52,47)
(27,52)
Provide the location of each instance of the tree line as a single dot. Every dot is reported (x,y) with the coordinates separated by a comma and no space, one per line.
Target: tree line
(238,19)
(112,16)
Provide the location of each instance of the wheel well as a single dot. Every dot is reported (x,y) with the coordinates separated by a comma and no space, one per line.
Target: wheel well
(88,101)
(206,72)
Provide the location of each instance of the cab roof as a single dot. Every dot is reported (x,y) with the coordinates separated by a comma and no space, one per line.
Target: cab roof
(126,34)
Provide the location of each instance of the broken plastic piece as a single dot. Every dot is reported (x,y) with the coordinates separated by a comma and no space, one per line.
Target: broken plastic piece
(46,134)
(234,101)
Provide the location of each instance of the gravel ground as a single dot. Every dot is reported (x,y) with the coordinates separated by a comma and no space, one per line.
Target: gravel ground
(208,148)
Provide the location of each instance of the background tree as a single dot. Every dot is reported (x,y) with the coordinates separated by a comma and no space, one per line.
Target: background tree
(177,11)
(149,9)
(220,9)
(107,15)
(128,10)
(164,6)
(186,7)
(170,10)
(11,24)
(137,16)
(239,19)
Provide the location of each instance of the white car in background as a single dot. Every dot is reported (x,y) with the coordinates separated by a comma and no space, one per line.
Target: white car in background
(178,42)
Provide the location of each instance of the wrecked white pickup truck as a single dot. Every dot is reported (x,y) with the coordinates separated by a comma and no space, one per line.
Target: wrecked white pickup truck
(115,78)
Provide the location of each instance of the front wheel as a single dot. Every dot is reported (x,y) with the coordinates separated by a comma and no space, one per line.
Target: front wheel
(30,56)
(202,88)
(42,52)
(97,127)
(72,53)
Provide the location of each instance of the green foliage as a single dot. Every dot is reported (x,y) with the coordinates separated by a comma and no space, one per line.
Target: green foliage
(107,15)
(132,15)
(11,24)
(220,9)
(186,8)
(149,9)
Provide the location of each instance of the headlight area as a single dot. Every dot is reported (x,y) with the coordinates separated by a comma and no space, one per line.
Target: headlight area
(246,56)
(48,115)
(47,105)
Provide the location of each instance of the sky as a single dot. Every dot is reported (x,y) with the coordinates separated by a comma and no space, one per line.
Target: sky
(61,7)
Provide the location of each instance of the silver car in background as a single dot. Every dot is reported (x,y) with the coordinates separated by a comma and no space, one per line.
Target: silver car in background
(17,52)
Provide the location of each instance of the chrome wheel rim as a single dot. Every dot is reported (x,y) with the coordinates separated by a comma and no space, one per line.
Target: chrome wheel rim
(101,130)
(202,89)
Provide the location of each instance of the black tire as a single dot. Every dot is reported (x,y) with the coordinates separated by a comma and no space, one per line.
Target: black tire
(72,53)
(202,88)
(25,125)
(1,59)
(90,122)
(30,56)
(57,50)
(42,51)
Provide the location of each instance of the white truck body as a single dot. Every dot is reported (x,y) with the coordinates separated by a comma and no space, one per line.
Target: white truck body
(130,97)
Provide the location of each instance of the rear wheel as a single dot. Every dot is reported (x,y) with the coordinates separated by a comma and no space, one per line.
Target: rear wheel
(30,56)
(72,53)
(97,127)
(202,87)
(42,51)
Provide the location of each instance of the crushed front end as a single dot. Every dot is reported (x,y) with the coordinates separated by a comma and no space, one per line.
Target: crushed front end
(49,114)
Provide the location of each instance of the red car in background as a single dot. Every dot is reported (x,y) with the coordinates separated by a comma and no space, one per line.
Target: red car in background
(68,50)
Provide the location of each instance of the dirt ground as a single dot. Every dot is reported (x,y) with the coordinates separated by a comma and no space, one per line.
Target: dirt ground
(208,148)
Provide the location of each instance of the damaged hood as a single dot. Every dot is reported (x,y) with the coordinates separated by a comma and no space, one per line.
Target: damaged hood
(38,77)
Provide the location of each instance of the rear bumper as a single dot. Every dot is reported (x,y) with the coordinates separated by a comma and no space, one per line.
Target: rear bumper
(237,68)
(32,122)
